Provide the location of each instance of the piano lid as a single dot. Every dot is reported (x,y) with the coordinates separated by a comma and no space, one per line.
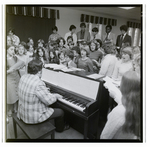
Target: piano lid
(83,86)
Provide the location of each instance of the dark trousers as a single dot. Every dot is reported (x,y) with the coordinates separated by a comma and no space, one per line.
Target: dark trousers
(58,116)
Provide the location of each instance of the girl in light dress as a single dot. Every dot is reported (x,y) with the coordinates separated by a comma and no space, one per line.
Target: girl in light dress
(123,65)
(13,77)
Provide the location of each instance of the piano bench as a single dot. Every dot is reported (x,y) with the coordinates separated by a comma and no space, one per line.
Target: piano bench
(34,131)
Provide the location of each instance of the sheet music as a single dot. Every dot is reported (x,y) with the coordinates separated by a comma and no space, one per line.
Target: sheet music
(66,69)
(58,67)
(95,76)
(76,69)
(110,80)
(50,65)
(114,91)
(55,66)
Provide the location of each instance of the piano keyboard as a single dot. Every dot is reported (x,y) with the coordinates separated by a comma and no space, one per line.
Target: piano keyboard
(77,104)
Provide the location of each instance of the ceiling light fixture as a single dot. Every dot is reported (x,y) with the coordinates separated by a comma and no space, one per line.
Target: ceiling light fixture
(127,8)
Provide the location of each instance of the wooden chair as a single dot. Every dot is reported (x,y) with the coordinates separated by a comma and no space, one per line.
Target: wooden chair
(34,131)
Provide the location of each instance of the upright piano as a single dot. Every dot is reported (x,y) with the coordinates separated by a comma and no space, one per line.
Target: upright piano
(81,96)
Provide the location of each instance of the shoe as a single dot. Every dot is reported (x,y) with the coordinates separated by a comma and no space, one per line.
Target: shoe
(67,127)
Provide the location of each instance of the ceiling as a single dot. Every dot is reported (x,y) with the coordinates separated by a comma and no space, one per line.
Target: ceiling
(133,14)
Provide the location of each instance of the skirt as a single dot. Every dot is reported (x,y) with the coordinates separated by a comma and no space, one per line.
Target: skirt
(12,87)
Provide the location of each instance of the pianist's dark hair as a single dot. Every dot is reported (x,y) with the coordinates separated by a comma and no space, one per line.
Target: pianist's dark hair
(130,88)
(35,66)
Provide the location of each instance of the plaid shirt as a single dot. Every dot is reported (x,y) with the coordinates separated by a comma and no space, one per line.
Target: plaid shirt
(34,100)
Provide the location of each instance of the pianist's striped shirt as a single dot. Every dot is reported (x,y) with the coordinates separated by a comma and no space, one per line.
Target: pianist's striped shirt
(34,99)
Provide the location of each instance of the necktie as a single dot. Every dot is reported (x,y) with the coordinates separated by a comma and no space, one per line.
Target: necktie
(121,38)
(82,35)
(106,37)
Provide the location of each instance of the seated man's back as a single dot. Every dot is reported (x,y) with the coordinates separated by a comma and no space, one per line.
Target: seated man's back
(34,99)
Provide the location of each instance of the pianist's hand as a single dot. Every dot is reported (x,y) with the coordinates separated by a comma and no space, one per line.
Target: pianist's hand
(58,96)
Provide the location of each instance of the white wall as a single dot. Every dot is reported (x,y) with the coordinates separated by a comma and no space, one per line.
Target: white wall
(69,17)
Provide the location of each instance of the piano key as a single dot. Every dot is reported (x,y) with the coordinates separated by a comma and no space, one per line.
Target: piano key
(72,105)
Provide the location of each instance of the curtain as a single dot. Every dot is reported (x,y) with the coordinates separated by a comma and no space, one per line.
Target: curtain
(136,37)
(135,34)
(97,21)
(34,27)
(134,30)
(100,26)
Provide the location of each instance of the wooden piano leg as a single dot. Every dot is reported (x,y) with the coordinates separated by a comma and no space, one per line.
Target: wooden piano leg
(85,129)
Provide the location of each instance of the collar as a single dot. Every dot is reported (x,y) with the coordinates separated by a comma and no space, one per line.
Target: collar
(108,33)
(70,33)
(124,34)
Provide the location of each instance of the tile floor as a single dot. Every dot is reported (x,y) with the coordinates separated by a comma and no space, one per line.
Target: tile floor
(68,134)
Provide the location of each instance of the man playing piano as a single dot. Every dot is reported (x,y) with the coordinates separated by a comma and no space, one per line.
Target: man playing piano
(35,99)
